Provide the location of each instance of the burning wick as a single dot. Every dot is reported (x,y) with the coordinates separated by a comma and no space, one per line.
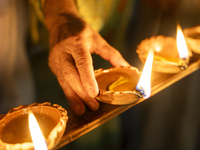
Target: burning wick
(182,48)
(38,139)
(143,88)
(183,64)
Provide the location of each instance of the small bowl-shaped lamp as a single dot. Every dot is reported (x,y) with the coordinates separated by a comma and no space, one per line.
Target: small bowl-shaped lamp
(14,128)
(117,85)
(166,55)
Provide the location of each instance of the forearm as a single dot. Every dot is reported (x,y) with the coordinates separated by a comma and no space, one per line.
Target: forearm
(62,20)
(53,8)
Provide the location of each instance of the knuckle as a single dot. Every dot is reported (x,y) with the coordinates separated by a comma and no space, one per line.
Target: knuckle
(62,82)
(68,75)
(81,62)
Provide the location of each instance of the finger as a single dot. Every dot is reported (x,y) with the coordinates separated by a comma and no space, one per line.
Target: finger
(72,78)
(74,101)
(83,61)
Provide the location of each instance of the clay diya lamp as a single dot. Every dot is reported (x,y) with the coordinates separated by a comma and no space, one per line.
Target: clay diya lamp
(14,128)
(192,37)
(117,85)
(166,55)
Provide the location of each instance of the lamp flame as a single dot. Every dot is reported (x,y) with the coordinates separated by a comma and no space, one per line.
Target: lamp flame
(36,134)
(144,84)
(181,44)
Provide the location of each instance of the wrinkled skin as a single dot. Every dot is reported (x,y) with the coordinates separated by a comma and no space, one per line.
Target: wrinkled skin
(72,42)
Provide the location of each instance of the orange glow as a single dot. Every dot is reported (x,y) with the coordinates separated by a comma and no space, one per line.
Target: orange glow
(181,44)
(144,84)
(36,134)
(157,48)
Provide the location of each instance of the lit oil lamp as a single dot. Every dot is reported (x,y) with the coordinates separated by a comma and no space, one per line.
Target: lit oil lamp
(170,55)
(124,85)
(14,128)
(117,85)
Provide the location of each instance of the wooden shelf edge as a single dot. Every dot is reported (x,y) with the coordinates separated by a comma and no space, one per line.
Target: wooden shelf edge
(78,126)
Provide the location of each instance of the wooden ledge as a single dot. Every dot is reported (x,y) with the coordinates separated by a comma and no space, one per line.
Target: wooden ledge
(78,126)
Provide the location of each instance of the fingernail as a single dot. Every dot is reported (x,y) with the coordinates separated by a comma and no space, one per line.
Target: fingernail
(125,63)
(78,110)
(92,106)
(92,92)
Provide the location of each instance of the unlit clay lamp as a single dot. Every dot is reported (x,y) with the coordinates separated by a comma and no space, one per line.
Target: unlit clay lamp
(192,37)
(117,85)
(14,129)
(166,56)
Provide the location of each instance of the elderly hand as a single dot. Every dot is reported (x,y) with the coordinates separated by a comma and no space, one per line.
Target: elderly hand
(73,41)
